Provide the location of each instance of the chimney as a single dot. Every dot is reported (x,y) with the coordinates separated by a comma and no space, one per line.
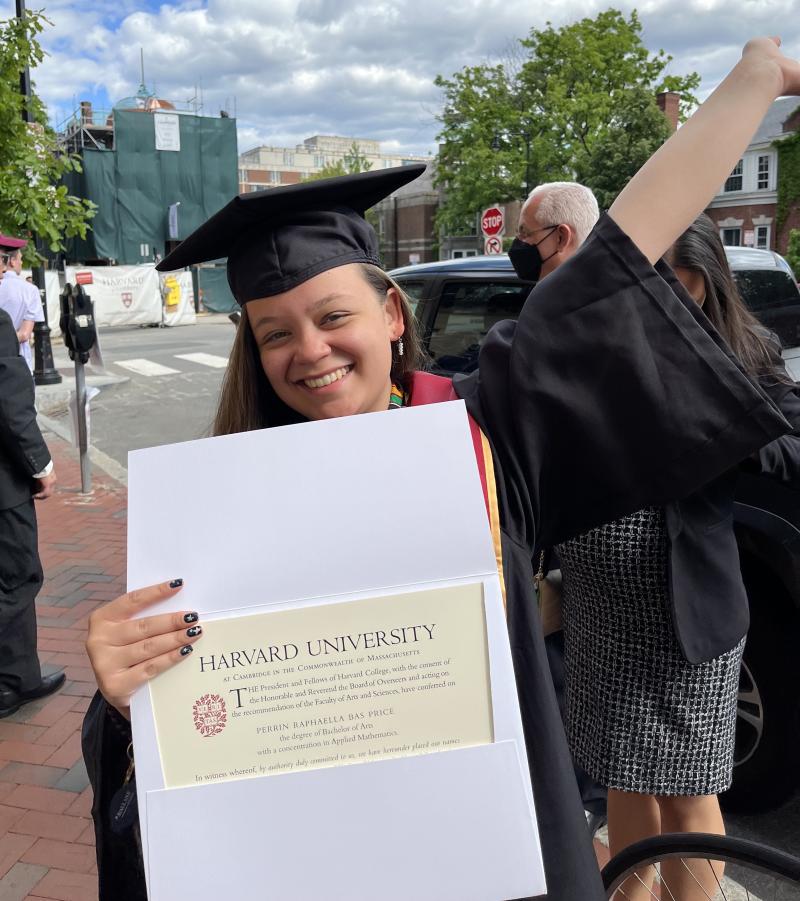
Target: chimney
(668,102)
(86,112)
(793,122)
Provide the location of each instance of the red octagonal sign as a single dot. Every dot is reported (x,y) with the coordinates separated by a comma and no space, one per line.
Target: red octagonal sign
(492,221)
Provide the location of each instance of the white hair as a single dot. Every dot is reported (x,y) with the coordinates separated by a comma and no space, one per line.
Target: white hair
(567,202)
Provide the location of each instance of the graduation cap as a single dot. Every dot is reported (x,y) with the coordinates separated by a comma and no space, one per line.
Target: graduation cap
(279,238)
(7,243)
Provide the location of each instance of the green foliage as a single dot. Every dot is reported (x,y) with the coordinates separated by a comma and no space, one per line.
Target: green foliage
(32,198)
(788,177)
(793,251)
(636,131)
(353,162)
(579,100)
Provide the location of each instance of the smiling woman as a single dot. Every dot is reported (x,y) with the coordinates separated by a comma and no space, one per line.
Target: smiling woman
(582,404)
(318,329)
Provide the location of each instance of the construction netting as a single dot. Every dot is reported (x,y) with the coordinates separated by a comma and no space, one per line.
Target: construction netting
(134,185)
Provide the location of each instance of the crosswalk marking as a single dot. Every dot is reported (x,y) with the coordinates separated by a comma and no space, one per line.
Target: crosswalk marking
(146,367)
(205,359)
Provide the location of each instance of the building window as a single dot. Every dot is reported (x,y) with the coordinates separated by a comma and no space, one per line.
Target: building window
(731,237)
(459,254)
(734,182)
(275,177)
(763,173)
(288,158)
(762,237)
(319,161)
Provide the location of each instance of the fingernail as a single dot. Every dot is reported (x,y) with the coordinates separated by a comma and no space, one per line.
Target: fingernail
(176,583)
(186,649)
(195,630)
(190,618)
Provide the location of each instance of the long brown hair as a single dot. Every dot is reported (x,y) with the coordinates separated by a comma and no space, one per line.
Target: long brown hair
(700,249)
(247,400)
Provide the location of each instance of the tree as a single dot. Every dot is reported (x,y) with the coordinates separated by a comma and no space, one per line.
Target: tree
(636,130)
(567,98)
(353,162)
(32,198)
(793,251)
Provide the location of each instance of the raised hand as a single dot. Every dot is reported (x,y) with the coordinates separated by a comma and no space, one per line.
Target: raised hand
(787,70)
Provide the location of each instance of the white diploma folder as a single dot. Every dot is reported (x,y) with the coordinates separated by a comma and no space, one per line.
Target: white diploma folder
(321,513)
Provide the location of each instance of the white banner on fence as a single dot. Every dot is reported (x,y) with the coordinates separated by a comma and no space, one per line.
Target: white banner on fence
(177,293)
(122,295)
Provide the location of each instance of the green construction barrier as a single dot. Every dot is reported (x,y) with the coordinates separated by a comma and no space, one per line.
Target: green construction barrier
(211,286)
(134,185)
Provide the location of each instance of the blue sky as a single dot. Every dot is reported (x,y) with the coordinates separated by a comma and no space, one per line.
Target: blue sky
(361,68)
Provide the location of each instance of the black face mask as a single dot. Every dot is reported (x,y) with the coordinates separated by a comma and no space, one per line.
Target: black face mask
(526,258)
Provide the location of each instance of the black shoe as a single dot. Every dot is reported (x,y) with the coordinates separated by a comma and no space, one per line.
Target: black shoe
(11,701)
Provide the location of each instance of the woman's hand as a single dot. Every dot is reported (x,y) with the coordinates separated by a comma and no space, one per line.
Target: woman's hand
(684,174)
(766,51)
(125,653)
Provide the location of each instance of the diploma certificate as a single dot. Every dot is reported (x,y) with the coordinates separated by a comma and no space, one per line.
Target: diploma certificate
(327,685)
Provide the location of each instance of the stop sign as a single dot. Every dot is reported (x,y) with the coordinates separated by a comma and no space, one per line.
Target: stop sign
(492,221)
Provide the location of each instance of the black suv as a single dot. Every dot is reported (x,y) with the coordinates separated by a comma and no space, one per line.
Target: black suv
(456,302)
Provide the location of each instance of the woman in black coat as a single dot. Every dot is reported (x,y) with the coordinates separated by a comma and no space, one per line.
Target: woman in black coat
(655,612)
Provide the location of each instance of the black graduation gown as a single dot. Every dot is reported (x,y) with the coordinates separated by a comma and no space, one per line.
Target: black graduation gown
(609,394)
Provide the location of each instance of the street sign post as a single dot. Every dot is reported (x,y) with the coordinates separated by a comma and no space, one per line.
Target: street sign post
(493,221)
(493,244)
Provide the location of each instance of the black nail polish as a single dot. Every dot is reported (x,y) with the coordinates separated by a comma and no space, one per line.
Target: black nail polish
(195,630)
(190,618)
(186,649)
(176,583)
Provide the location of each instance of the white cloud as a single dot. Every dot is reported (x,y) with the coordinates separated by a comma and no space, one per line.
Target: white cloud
(354,67)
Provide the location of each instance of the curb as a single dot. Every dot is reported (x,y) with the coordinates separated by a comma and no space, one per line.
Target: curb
(101,460)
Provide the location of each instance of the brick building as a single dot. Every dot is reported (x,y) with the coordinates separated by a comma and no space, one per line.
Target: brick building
(405,223)
(268,167)
(745,207)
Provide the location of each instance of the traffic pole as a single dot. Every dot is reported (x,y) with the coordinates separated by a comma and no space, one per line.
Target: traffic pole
(83,431)
(44,370)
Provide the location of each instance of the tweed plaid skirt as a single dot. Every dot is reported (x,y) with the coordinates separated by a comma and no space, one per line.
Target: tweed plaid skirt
(639,716)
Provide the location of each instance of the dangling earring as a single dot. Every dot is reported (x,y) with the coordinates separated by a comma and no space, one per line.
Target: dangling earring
(400,349)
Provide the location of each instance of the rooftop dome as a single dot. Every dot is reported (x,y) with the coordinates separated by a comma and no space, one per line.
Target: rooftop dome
(143,100)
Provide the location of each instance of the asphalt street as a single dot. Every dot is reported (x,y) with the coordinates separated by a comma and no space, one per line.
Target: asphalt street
(165,385)
(161,385)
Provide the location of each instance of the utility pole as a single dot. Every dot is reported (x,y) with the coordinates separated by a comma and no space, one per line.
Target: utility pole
(44,370)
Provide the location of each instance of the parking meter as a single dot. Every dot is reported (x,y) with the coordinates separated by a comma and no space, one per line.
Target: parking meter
(80,336)
(77,323)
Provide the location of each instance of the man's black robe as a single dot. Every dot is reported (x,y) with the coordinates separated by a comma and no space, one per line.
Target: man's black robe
(610,393)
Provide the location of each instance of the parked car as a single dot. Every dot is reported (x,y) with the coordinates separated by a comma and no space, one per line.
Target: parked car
(456,302)
(769,288)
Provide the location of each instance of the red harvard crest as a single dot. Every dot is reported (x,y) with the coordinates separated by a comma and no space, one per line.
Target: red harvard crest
(210,716)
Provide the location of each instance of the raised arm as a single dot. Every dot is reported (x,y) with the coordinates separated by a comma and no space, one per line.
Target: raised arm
(679,180)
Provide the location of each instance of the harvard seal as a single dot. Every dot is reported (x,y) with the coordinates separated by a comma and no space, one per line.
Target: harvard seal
(210,715)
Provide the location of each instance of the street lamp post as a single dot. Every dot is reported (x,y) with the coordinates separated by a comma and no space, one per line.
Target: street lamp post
(526,135)
(44,370)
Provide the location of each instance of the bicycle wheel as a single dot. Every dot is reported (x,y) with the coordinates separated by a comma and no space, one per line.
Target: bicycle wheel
(752,872)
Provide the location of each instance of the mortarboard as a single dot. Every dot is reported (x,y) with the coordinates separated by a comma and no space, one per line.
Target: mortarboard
(279,238)
(8,243)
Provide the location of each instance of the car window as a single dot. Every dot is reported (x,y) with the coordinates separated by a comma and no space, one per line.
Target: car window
(414,291)
(467,310)
(766,289)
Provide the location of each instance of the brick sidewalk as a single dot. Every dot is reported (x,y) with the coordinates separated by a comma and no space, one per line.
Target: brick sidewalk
(46,835)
